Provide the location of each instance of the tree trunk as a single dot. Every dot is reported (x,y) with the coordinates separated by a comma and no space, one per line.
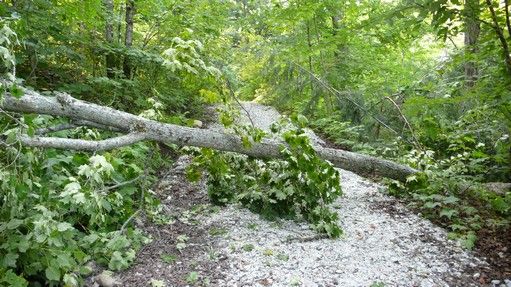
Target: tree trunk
(109,36)
(500,35)
(472,31)
(139,129)
(335,29)
(119,22)
(311,104)
(130,12)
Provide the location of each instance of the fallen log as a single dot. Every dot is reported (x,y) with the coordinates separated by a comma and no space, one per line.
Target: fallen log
(137,129)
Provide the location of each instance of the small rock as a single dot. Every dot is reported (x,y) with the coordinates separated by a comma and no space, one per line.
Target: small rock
(476,275)
(105,279)
(495,282)
(197,124)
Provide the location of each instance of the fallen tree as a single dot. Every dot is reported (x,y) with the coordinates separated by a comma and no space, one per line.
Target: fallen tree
(136,129)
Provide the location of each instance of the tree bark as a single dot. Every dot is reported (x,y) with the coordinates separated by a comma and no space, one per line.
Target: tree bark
(508,21)
(311,104)
(500,35)
(130,12)
(472,31)
(335,29)
(109,36)
(139,128)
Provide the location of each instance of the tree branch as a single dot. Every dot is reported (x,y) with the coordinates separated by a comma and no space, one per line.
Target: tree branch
(97,126)
(57,128)
(120,184)
(83,145)
(416,141)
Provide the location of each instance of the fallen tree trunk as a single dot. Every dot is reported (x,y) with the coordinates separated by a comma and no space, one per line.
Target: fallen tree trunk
(139,129)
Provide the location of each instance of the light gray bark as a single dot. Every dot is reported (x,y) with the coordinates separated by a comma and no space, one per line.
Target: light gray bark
(144,129)
(85,145)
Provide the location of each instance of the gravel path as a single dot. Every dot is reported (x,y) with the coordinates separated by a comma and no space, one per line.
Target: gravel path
(384,244)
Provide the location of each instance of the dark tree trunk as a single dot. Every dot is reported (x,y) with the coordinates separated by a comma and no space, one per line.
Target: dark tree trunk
(119,23)
(109,37)
(335,29)
(314,96)
(500,35)
(472,31)
(130,12)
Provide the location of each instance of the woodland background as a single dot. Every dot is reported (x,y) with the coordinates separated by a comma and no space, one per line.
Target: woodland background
(425,83)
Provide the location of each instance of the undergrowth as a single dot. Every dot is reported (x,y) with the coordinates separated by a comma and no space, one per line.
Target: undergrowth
(61,210)
(456,163)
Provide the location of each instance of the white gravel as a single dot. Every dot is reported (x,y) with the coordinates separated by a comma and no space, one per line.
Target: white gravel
(383,242)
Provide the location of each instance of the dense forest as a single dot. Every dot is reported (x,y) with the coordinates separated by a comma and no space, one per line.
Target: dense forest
(422,84)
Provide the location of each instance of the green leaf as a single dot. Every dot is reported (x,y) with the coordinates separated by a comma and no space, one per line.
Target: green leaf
(168,258)
(64,260)
(469,240)
(52,273)
(23,244)
(500,205)
(280,195)
(17,92)
(9,260)
(431,204)
(302,120)
(13,280)
(451,199)
(246,142)
(192,277)
(70,280)
(117,262)
(193,174)
(448,212)
(14,223)
(63,226)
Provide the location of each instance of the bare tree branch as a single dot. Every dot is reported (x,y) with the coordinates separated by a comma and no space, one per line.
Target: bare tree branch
(97,126)
(233,95)
(120,184)
(416,141)
(58,128)
(345,95)
(84,145)
(72,125)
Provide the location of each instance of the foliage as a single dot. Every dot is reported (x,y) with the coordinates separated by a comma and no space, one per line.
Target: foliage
(299,184)
(59,212)
(458,159)
(447,194)
(342,134)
